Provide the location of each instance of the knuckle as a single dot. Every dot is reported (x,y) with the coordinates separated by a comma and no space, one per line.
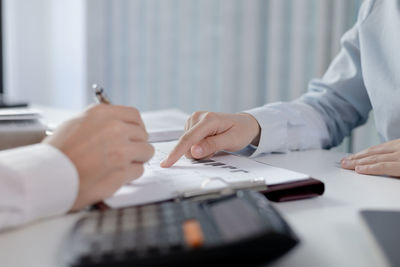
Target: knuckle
(133,111)
(116,156)
(195,115)
(139,133)
(374,158)
(96,110)
(116,127)
(370,150)
(381,166)
(210,116)
(384,165)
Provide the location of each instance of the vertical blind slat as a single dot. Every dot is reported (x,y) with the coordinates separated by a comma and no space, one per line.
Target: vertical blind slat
(222,55)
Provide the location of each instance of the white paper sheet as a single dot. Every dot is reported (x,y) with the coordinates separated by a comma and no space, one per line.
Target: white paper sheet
(164,125)
(158,184)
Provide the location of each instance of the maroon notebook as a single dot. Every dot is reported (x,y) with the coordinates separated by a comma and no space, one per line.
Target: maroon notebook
(295,190)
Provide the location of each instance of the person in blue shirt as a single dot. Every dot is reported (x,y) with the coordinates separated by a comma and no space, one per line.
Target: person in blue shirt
(364,76)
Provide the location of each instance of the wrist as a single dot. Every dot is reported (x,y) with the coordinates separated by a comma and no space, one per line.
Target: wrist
(254,128)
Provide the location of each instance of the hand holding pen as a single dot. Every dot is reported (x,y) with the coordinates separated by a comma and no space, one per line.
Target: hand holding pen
(99,93)
(107,145)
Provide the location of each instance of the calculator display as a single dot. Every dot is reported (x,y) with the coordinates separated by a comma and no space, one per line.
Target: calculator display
(236,219)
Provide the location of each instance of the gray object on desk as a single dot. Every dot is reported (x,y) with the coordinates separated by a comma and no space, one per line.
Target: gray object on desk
(20,127)
(384,226)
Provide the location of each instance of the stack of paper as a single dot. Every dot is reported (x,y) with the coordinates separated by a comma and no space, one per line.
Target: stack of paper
(19,127)
(164,125)
(19,114)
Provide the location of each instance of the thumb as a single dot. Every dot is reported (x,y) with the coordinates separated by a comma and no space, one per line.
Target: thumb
(211,145)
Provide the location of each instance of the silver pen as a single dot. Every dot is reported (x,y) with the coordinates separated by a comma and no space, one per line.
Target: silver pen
(100,97)
(100,94)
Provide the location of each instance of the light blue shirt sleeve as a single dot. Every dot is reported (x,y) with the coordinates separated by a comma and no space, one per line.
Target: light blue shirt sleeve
(340,96)
(333,106)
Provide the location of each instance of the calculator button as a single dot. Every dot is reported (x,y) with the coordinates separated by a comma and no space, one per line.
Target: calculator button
(129,222)
(174,236)
(193,234)
(89,226)
(109,224)
(126,242)
(171,214)
(150,216)
(150,238)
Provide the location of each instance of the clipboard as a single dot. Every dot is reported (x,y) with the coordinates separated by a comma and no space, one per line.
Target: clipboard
(302,189)
(222,174)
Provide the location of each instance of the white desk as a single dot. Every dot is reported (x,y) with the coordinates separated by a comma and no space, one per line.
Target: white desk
(329,227)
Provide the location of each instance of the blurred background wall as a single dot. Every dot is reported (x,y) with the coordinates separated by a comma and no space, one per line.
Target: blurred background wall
(45,51)
(220,55)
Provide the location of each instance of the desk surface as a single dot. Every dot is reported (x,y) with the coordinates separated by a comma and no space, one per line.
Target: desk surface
(329,226)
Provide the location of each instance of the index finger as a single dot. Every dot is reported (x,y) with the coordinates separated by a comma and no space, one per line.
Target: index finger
(374,150)
(190,138)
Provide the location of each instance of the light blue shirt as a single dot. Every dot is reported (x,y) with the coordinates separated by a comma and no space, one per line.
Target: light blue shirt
(365,75)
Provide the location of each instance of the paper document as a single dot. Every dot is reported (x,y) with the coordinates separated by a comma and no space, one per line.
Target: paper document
(158,184)
(19,114)
(164,125)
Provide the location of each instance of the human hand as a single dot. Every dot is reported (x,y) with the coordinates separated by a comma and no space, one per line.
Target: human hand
(108,145)
(383,159)
(209,132)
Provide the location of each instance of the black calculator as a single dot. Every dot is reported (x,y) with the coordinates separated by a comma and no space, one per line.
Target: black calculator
(239,229)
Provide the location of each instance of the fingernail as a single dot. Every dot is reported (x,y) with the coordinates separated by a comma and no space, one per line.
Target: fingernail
(198,151)
(345,162)
(346,158)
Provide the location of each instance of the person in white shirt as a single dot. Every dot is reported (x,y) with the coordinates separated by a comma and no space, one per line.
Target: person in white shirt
(85,161)
(364,76)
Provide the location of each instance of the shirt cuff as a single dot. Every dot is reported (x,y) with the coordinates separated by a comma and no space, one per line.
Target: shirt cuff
(273,133)
(289,126)
(50,179)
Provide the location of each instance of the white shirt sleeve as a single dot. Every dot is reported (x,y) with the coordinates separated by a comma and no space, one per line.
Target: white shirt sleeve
(35,181)
(289,126)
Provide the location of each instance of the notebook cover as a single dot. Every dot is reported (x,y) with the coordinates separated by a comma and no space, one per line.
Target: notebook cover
(295,190)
